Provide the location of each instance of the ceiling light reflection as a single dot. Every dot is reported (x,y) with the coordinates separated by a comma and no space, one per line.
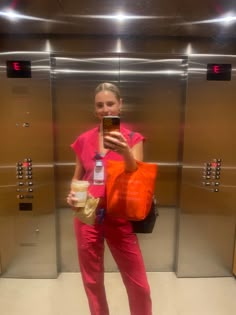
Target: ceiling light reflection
(120,17)
(11,15)
(22,53)
(48,47)
(212,55)
(14,16)
(119,59)
(228,19)
(115,72)
(189,49)
(119,46)
(195,70)
(225,20)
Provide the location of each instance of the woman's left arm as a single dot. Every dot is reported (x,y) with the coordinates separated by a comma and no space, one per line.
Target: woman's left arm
(117,142)
(131,155)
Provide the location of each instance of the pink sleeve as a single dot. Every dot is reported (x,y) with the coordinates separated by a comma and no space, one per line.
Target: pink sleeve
(135,138)
(77,147)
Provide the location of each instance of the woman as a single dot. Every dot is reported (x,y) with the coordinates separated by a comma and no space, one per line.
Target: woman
(123,243)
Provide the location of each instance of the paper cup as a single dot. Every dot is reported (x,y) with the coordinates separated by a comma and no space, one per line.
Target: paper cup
(80,188)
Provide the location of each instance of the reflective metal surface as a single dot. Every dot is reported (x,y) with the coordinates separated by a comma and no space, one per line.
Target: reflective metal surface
(27,200)
(186,126)
(208,196)
(152,89)
(211,18)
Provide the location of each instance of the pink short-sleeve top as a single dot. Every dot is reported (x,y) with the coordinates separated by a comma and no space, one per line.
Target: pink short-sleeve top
(86,147)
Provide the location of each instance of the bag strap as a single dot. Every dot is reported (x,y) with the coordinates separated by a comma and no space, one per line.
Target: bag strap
(131,136)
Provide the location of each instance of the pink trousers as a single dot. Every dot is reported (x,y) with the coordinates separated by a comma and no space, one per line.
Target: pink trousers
(123,244)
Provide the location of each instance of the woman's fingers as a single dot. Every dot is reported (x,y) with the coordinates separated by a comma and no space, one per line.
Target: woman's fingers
(112,143)
(115,138)
(116,135)
(117,143)
(71,199)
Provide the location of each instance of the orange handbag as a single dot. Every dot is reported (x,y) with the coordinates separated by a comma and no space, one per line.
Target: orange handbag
(129,195)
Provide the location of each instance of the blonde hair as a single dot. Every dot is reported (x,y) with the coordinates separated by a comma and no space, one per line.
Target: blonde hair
(108,87)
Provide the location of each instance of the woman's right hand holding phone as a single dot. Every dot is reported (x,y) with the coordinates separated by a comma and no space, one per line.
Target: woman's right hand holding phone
(115,141)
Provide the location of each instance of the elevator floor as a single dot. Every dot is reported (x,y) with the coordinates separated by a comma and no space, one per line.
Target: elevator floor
(65,295)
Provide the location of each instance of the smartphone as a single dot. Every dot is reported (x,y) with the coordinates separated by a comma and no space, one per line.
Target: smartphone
(110,123)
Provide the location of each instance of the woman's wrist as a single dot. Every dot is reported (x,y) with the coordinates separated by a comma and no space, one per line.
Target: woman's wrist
(130,162)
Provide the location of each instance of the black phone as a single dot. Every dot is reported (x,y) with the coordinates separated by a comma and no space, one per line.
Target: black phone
(110,123)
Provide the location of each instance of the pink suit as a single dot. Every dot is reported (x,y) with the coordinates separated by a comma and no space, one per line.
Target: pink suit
(118,233)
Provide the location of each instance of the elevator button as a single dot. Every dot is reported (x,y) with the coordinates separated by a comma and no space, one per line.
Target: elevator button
(206,173)
(20,196)
(215,173)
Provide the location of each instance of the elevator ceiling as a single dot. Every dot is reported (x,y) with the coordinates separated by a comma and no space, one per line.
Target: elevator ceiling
(181,18)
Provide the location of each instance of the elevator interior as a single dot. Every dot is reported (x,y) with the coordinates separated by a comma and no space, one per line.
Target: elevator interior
(189,128)
(162,59)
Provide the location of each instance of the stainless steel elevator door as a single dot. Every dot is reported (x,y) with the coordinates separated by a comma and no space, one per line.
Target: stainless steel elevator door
(153,90)
(208,196)
(75,79)
(27,200)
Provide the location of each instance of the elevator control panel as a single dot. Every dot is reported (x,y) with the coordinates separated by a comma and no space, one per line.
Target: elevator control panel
(211,175)
(25,186)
